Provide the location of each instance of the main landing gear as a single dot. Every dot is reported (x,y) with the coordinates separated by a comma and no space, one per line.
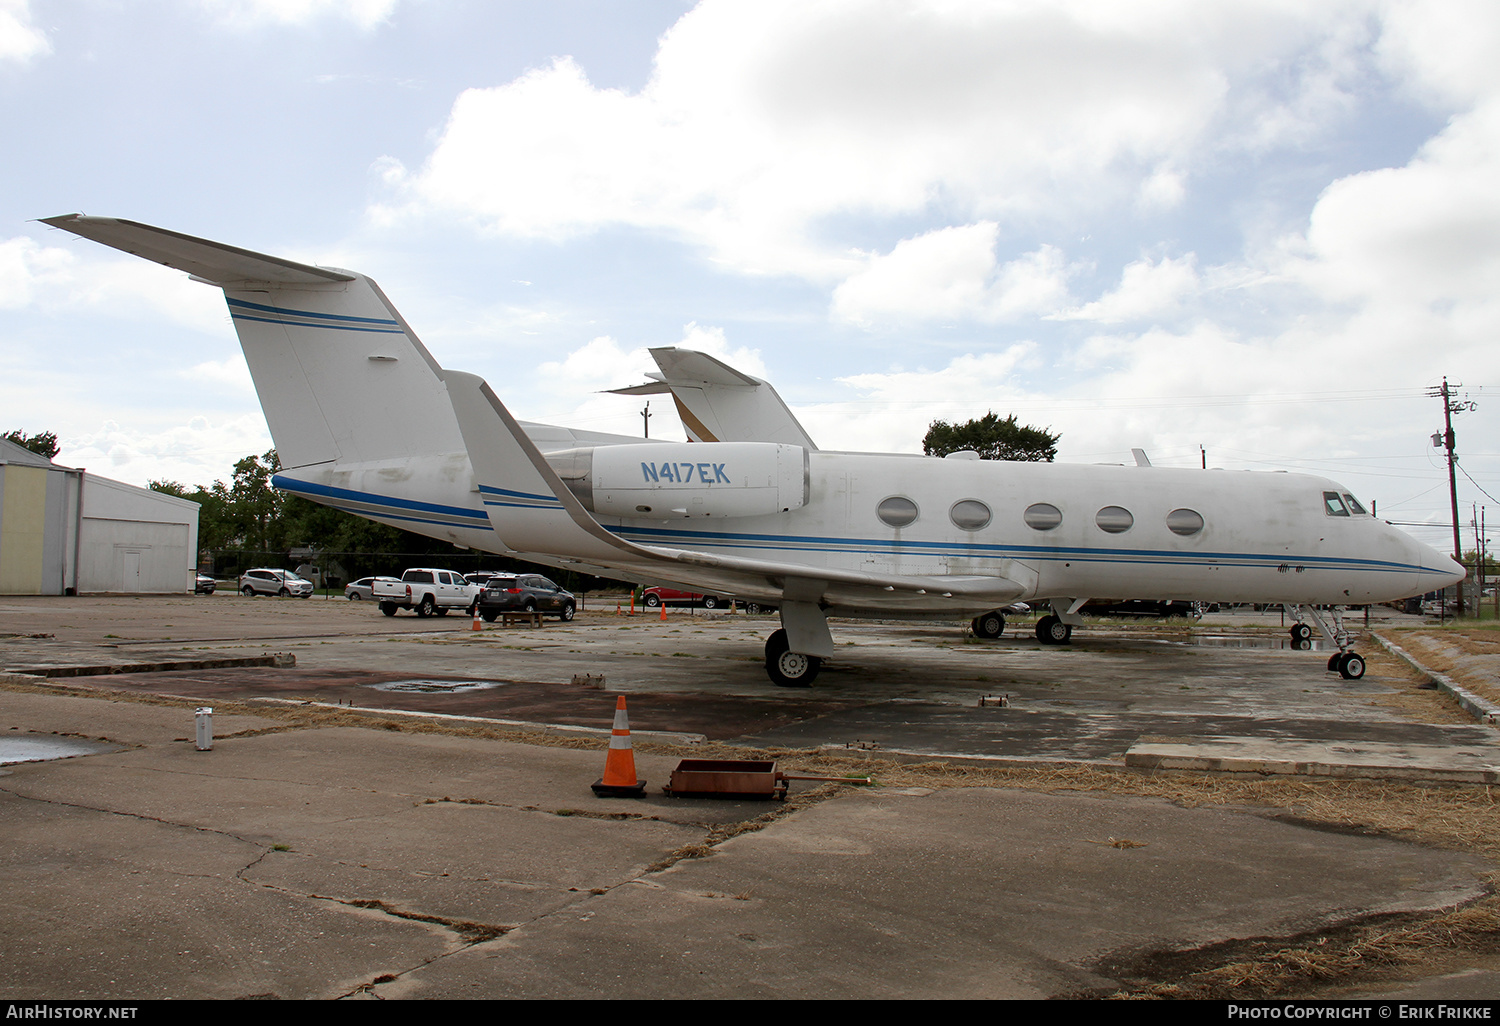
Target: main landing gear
(1346,662)
(1051,630)
(786,668)
(990,625)
(795,653)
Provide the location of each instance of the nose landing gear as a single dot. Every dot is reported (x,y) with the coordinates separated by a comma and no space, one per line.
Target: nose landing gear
(1346,662)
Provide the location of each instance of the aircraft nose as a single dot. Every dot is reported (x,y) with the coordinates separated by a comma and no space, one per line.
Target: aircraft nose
(1438,570)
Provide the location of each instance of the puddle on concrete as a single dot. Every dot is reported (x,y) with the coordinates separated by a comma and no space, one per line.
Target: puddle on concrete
(1240,641)
(41,747)
(436,687)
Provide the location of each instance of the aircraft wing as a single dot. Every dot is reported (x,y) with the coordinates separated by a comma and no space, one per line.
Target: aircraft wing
(718,403)
(535,512)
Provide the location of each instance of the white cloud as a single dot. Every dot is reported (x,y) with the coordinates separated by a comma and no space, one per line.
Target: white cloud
(1442,50)
(894,409)
(366,14)
(55,278)
(195,452)
(230,374)
(1147,289)
(762,121)
(27,268)
(1425,232)
(952,273)
(20,39)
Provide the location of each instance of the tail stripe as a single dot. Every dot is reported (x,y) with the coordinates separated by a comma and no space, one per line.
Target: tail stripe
(281,311)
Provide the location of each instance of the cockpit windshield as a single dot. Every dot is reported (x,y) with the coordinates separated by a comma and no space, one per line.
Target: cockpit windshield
(1336,504)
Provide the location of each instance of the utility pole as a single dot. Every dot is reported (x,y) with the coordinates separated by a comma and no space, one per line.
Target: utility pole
(646,417)
(1447,442)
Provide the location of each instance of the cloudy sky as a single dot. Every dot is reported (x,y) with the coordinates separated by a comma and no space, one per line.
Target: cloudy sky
(1268,229)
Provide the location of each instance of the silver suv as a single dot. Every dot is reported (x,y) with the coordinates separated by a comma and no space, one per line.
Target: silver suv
(264,581)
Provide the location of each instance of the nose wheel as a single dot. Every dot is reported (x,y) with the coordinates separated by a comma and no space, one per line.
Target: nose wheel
(1349,665)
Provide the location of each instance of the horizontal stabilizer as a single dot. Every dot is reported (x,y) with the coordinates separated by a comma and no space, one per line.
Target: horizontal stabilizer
(718,403)
(213,262)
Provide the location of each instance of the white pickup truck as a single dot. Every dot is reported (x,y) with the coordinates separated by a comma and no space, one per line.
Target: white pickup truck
(426,591)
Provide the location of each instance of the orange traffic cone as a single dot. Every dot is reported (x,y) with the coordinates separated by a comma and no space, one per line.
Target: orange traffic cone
(477,625)
(619,766)
(663,611)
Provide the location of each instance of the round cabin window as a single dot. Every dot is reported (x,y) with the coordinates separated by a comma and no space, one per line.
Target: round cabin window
(1114,519)
(970,515)
(1185,522)
(1042,516)
(897,511)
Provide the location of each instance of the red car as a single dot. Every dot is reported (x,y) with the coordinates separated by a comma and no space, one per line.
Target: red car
(654,597)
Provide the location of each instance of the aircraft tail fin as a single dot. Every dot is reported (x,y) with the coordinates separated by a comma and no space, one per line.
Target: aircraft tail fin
(718,403)
(340,374)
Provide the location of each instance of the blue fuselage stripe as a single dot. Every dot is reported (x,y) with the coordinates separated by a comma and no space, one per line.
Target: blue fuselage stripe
(477,516)
(829,546)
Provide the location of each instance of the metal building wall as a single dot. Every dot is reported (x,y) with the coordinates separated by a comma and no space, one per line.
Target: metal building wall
(38,525)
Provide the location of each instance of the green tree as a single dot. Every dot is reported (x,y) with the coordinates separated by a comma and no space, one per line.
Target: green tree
(993,439)
(43,444)
(252,505)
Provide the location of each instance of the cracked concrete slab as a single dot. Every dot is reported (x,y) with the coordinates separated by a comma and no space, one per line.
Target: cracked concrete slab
(971,893)
(110,905)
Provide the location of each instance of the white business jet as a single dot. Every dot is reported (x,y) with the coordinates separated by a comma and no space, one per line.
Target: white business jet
(365,420)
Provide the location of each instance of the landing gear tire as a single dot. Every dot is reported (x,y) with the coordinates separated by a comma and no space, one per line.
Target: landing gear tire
(1052,631)
(1333,662)
(441,611)
(990,625)
(789,669)
(388,608)
(1351,666)
(1301,632)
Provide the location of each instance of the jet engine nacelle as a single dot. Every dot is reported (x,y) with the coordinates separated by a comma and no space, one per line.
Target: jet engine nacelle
(686,479)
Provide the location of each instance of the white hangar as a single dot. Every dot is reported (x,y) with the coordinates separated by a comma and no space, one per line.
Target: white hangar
(66,532)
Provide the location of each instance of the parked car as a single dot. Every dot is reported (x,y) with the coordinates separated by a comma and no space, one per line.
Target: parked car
(265,581)
(654,597)
(525,593)
(424,590)
(359,591)
(203,584)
